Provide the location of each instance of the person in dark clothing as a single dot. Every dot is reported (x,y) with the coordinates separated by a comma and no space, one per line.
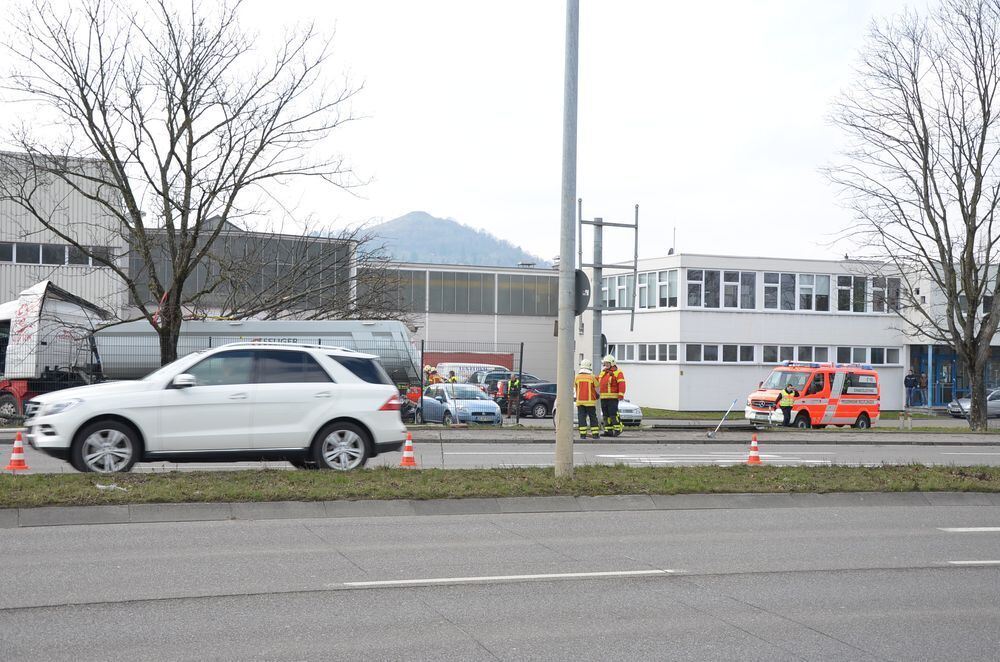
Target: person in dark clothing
(911,383)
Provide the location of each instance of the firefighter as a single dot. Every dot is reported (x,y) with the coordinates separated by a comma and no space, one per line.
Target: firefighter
(585,391)
(434,377)
(452,377)
(612,389)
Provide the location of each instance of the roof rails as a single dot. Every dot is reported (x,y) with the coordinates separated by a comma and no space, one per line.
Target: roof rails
(807,364)
(267,343)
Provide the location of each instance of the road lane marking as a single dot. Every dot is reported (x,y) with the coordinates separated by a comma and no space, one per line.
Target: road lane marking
(956,453)
(974,562)
(971,529)
(506,578)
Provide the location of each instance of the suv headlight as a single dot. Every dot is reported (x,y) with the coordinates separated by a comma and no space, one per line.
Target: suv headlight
(59,407)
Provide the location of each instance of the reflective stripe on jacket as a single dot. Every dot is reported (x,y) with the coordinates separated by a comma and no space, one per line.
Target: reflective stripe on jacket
(612,384)
(585,389)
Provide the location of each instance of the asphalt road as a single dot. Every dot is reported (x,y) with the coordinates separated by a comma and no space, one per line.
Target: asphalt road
(825,583)
(456,455)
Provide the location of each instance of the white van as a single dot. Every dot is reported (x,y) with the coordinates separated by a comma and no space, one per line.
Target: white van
(464,370)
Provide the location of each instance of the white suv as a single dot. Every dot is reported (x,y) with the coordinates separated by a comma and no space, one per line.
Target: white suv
(313,406)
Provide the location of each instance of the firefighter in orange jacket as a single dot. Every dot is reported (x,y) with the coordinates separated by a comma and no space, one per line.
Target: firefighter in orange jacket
(612,389)
(434,377)
(585,391)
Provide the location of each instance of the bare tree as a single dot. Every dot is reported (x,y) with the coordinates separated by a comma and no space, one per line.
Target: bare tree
(176,125)
(921,173)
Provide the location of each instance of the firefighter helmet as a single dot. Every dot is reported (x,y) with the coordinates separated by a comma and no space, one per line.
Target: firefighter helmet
(586,364)
(608,359)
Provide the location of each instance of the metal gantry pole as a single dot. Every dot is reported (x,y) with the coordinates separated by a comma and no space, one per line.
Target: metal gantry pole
(567,237)
(596,288)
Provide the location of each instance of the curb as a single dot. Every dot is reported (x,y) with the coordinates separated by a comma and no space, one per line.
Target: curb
(12,518)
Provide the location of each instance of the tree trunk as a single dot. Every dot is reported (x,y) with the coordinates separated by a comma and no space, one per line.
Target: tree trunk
(977,389)
(169,330)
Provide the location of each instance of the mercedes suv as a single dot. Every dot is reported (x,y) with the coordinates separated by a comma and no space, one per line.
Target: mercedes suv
(313,406)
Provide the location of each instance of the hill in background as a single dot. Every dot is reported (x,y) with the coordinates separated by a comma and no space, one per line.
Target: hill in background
(420,237)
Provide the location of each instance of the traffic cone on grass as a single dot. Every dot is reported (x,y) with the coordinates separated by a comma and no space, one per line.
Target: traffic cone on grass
(754,456)
(408,459)
(17,462)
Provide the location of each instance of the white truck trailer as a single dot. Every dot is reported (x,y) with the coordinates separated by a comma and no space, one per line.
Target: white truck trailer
(51,339)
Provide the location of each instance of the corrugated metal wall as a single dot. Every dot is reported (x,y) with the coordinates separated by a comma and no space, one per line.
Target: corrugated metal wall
(98,285)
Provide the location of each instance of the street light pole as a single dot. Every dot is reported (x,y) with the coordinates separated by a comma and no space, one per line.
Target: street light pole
(567,240)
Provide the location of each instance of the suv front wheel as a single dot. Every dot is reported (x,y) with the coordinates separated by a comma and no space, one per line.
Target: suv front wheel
(341,446)
(105,447)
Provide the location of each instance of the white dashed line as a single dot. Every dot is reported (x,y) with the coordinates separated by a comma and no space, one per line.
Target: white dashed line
(506,578)
(971,529)
(974,562)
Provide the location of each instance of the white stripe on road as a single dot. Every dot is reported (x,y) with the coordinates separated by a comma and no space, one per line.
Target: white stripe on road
(507,578)
(947,453)
(971,529)
(974,562)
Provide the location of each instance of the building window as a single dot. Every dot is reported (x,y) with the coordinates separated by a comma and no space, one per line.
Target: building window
(617,291)
(738,289)
(777,353)
(668,288)
(748,290)
(878,294)
(805,353)
(661,353)
(730,289)
(671,352)
(692,352)
(646,298)
(859,354)
(737,353)
(101,255)
(710,352)
(52,254)
(892,356)
(76,256)
(6,252)
(822,293)
(806,284)
(821,354)
(712,286)
(694,280)
(852,293)
(612,350)
(893,295)
(27,253)
(786,353)
(629,352)
(843,355)
(770,353)
(878,355)
(517,294)
(779,291)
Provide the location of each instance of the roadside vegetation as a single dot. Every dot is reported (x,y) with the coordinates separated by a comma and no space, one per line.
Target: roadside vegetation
(389,483)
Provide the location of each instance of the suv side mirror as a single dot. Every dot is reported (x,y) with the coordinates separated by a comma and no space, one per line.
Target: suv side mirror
(183,380)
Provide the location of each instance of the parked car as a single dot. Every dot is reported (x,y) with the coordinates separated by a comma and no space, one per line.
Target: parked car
(960,408)
(461,403)
(310,405)
(631,414)
(489,379)
(538,400)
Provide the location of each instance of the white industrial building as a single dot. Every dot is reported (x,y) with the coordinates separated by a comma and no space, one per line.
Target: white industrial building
(709,328)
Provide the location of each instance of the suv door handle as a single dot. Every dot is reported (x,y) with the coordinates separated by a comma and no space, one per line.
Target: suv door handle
(322,394)
(238,396)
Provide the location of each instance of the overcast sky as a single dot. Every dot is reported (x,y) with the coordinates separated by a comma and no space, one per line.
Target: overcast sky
(711,116)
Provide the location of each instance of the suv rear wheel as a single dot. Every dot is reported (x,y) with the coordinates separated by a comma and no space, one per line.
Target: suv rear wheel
(802,421)
(863,422)
(342,446)
(540,410)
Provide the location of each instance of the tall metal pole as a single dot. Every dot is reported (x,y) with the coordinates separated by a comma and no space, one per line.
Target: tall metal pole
(567,239)
(595,288)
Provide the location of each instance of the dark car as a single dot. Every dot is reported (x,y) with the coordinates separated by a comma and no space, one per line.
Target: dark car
(538,400)
(489,380)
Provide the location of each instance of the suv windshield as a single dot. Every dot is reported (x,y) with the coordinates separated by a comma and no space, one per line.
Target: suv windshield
(462,392)
(780,378)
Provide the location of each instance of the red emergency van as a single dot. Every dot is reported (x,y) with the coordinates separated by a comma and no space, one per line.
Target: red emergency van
(829,394)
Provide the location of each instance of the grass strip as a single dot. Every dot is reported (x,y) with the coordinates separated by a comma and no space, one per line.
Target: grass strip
(391,483)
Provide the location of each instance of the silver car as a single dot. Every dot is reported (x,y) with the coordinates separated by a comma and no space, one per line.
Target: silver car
(960,408)
(630,414)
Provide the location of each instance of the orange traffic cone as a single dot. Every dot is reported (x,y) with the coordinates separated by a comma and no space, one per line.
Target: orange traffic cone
(17,462)
(754,457)
(408,459)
